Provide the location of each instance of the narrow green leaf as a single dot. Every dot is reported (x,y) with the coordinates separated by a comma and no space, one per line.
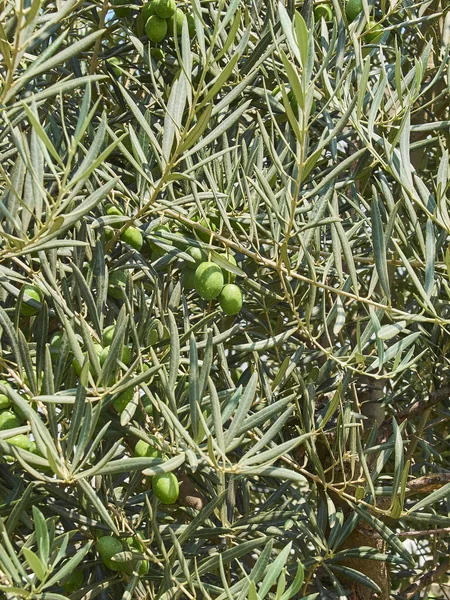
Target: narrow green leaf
(249,422)
(35,563)
(296,585)
(245,403)
(270,434)
(267,344)
(288,31)
(42,537)
(379,247)
(69,566)
(40,131)
(218,82)
(252,593)
(198,130)
(268,456)
(362,87)
(301,37)
(399,458)
(432,498)
(34,70)
(389,331)
(201,517)
(396,349)
(173,115)
(231,554)
(387,534)
(94,500)
(174,351)
(194,386)
(430,258)
(223,126)
(332,407)
(357,576)
(274,570)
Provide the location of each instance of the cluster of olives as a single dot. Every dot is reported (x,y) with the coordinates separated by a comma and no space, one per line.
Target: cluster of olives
(353,8)
(102,351)
(131,235)
(165,485)
(166,488)
(108,546)
(32,297)
(211,282)
(206,277)
(10,420)
(162,17)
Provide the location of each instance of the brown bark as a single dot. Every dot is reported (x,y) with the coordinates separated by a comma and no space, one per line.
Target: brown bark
(363,535)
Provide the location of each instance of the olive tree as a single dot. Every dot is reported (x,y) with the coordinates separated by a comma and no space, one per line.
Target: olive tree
(161,438)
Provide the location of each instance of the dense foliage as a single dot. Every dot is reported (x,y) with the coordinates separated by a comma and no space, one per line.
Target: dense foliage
(274,425)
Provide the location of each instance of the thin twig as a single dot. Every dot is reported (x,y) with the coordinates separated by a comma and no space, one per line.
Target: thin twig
(424,581)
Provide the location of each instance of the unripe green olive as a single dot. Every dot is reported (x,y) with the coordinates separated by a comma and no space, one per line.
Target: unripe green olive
(209,280)
(166,488)
(30,292)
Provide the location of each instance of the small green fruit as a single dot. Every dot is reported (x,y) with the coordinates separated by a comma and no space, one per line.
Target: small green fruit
(73,582)
(152,244)
(208,280)
(114,62)
(374,33)
(8,420)
(5,402)
(122,401)
(112,210)
(156,29)
(293,101)
(56,341)
(117,283)
(77,366)
(191,24)
(165,8)
(197,254)
(144,567)
(157,254)
(34,449)
(109,233)
(205,237)
(142,449)
(153,336)
(20,440)
(126,355)
(323,11)
(176,22)
(108,334)
(134,544)
(148,10)
(157,53)
(30,292)
(231,299)
(165,487)
(353,8)
(133,237)
(148,406)
(107,547)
